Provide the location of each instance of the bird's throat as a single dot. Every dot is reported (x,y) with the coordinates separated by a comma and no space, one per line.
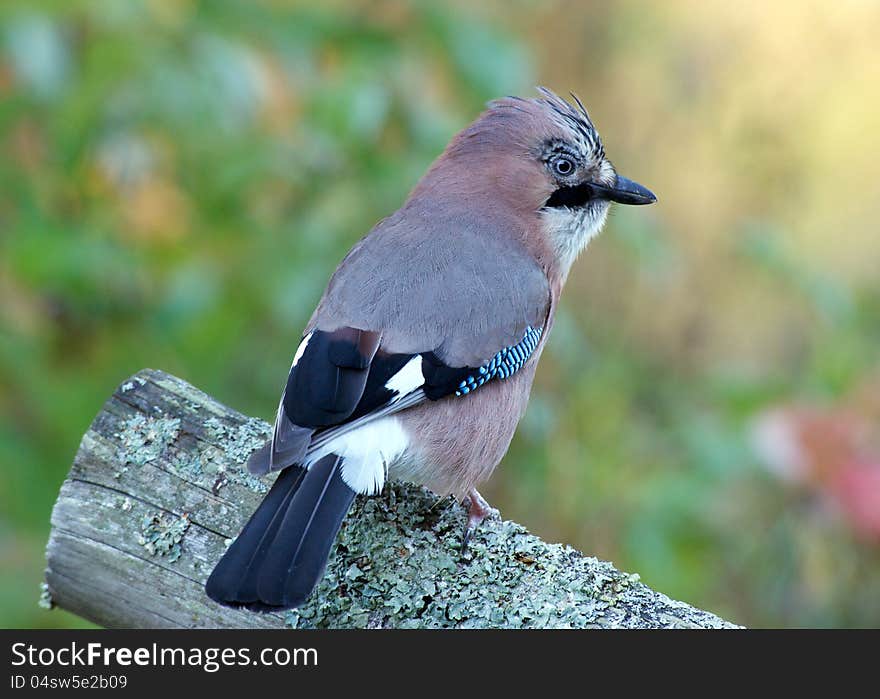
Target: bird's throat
(569,230)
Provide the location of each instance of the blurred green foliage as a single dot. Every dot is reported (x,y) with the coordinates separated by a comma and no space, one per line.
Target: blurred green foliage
(179,178)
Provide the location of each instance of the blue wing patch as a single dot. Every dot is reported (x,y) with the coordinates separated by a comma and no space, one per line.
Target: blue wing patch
(505,363)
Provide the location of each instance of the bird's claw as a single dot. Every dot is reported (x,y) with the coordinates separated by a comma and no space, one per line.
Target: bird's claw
(477,510)
(465,538)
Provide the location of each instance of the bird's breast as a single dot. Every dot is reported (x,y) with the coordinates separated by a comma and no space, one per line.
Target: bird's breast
(456,442)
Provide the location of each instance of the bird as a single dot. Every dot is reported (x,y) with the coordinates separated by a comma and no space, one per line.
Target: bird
(418,360)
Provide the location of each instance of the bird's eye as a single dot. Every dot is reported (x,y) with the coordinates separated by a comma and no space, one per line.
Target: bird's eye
(562,165)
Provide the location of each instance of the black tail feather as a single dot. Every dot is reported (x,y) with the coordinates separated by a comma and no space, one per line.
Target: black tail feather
(280,555)
(247,586)
(302,544)
(228,582)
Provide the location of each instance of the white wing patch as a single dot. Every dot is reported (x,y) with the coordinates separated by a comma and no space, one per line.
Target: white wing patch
(366,453)
(409,378)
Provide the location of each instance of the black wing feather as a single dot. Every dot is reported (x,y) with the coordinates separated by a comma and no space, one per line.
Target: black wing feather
(342,378)
(440,379)
(326,384)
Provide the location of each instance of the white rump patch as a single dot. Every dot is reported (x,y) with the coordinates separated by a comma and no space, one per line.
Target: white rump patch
(366,453)
(301,349)
(409,378)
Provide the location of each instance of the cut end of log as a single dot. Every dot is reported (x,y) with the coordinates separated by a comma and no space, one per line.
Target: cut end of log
(159,487)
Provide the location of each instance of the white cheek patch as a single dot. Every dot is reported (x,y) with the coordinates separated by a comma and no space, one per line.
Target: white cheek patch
(570,229)
(409,378)
(366,453)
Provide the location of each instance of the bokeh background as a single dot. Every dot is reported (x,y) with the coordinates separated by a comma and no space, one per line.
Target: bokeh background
(179,178)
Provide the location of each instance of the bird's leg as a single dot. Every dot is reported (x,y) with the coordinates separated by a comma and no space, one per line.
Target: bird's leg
(477,510)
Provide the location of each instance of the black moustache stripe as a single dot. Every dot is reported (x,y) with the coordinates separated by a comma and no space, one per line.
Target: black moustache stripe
(570,196)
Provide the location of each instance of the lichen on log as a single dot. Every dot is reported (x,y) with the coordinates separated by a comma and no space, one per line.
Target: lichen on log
(158,489)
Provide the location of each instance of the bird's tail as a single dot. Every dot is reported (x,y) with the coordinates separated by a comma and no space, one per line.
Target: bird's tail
(282,551)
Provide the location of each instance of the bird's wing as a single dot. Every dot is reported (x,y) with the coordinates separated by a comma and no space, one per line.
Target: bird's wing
(407,319)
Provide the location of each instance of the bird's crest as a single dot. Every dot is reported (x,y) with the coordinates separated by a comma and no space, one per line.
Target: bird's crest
(575,118)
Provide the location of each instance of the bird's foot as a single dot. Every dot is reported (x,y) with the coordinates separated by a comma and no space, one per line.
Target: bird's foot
(477,510)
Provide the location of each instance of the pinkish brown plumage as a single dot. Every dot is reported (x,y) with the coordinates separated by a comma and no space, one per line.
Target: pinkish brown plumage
(419,358)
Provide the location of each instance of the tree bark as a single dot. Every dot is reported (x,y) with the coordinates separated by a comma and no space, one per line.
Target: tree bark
(158,488)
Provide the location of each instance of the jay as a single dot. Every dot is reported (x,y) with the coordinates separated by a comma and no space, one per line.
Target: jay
(418,361)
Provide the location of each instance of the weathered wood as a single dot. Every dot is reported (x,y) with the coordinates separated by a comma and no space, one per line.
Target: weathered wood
(158,487)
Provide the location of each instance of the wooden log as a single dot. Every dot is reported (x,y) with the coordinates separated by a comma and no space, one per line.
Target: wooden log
(158,488)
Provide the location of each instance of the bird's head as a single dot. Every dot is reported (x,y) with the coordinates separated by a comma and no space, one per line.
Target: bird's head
(541,159)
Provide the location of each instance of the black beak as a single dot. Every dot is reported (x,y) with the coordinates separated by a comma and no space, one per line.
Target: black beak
(625,191)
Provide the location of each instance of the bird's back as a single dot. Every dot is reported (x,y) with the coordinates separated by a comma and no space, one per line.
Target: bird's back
(450,282)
